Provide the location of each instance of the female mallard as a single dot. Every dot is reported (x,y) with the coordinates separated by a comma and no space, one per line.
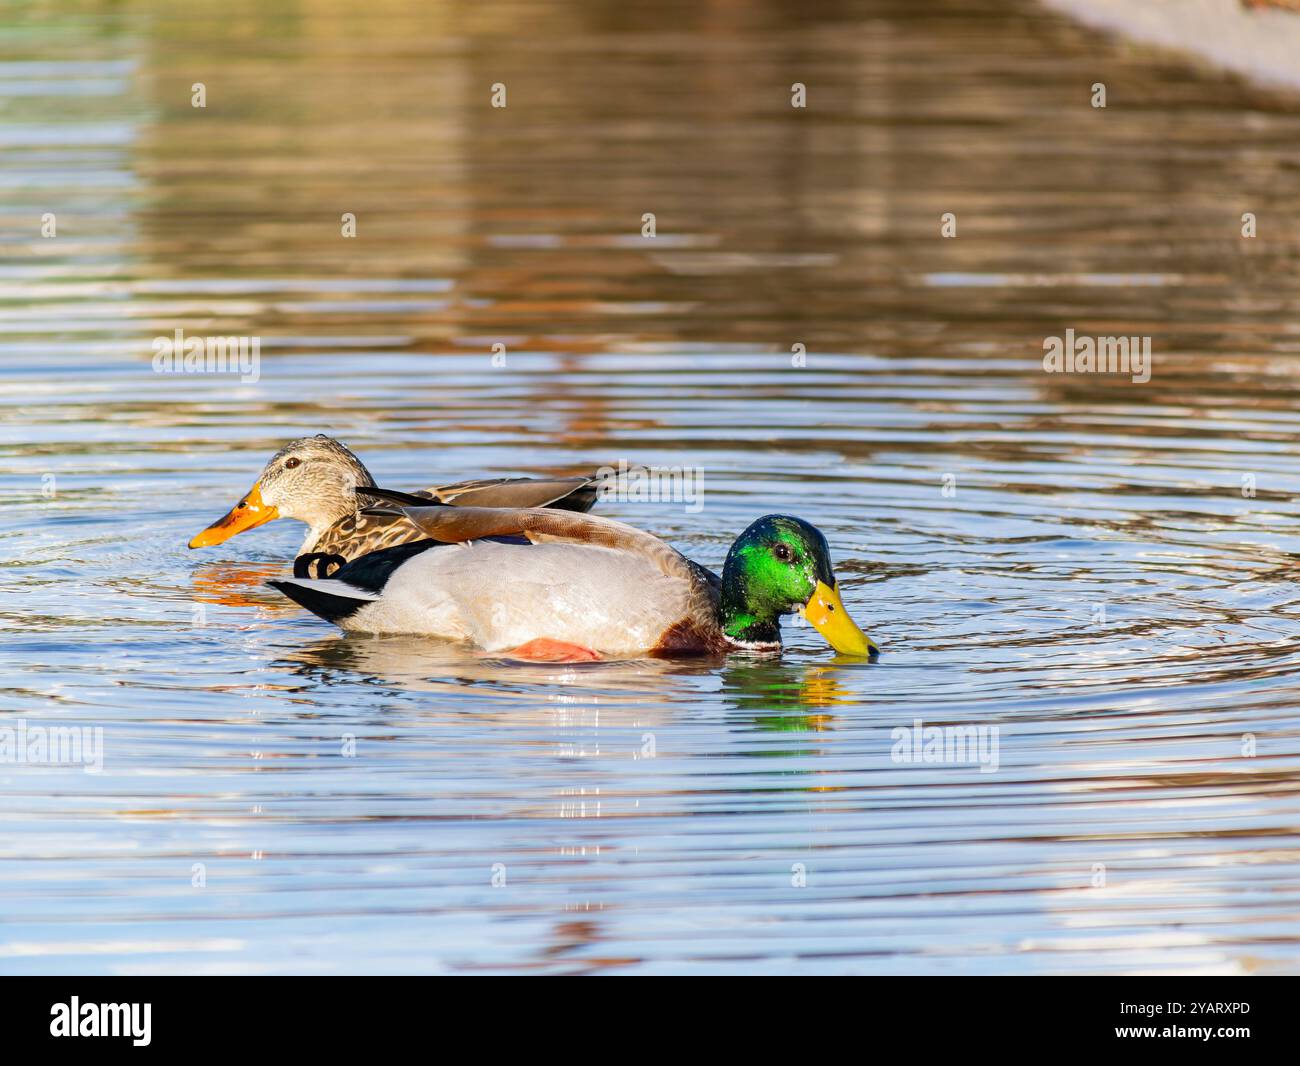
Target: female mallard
(552,584)
(313,479)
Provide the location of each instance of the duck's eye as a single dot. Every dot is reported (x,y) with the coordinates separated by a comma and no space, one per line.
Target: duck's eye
(782,552)
(289,464)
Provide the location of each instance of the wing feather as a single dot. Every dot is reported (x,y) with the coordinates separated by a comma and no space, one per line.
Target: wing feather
(570,493)
(456,525)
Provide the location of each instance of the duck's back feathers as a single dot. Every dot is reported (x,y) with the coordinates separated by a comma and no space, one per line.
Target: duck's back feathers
(500,578)
(458,525)
(355,534)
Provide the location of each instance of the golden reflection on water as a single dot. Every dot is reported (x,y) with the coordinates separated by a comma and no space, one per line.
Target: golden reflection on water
(1099,584)
(238,585)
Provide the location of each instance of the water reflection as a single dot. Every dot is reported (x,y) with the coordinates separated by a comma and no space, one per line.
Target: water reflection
(422,664)
(789,696)
(235,585)
(1102,570)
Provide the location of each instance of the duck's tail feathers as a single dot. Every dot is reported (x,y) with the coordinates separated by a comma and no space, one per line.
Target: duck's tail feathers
(329,598)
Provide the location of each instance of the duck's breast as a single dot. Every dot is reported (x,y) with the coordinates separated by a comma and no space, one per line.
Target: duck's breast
(501,596)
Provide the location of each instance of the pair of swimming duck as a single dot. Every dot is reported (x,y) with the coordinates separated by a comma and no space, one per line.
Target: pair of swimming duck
(516,565)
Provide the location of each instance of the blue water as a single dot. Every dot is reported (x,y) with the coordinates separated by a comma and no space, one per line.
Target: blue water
(1101,571)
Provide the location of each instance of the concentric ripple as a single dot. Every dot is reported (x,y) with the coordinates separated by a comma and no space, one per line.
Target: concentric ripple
(1095,576)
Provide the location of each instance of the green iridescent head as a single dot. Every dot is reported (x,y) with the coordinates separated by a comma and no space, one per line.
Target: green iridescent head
(780,565)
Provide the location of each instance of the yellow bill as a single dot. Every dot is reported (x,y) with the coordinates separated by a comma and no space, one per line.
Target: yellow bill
(247,514)
(827,615)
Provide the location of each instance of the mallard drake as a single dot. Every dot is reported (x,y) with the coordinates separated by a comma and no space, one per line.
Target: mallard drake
(541,583)
(313,480)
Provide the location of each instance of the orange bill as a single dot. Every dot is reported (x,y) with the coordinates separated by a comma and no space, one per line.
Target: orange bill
(247,513)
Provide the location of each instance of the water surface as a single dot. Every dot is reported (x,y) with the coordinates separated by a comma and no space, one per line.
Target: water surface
(1102,570)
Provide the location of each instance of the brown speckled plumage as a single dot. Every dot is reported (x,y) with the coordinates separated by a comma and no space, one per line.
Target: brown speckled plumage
(357,534)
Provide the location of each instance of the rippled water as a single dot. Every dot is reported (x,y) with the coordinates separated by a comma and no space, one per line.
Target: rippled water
(1102,570)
